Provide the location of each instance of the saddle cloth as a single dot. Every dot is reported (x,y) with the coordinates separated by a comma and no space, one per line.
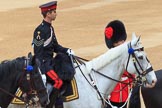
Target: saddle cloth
(71,93)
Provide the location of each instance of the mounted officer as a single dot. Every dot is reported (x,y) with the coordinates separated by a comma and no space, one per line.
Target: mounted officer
(45,44)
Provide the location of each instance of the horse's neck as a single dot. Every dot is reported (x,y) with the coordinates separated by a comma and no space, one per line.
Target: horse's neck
(87,93)
(113,70)
(11,73)
(9,81)
(110,64)
(106,58)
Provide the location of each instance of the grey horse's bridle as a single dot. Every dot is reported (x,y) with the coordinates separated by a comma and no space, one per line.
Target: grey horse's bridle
(131,52)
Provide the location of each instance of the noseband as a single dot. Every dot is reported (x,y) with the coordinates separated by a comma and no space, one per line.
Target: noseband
(27,72)
(143,72)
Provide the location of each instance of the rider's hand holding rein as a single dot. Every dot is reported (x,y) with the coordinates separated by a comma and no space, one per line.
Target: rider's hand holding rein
(70,52)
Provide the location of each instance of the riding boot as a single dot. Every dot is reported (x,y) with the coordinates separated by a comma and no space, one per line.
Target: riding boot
(53,97)
(59,103)
(59,106)
(57,85)
(134,101)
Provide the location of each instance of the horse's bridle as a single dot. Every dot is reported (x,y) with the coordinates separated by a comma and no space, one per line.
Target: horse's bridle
(131,52)
(135,62)
(27,70)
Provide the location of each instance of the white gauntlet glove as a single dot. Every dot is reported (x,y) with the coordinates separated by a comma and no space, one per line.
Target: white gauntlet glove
(70,52)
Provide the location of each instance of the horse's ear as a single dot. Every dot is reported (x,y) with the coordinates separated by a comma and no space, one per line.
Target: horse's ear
(31,58)
(29,55)
(135,39)
(134,36)
(139,37)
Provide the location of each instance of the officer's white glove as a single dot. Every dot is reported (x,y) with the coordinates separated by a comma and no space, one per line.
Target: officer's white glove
(70,52)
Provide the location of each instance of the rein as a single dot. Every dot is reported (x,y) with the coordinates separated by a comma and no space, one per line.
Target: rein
(78,61)
(110,77)
(138,79)
(92,83)
(14,96)
(76,58)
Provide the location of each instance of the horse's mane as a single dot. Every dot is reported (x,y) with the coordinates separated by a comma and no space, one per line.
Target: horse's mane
(9,66)
(106,58)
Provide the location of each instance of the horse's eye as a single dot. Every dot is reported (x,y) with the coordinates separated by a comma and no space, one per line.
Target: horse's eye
(140,57)
(142,49)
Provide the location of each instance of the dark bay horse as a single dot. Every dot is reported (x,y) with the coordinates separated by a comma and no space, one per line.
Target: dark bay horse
(152,97)
(13,74)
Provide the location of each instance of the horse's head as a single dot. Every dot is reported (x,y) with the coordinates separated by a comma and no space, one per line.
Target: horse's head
(33,84)
(138,62)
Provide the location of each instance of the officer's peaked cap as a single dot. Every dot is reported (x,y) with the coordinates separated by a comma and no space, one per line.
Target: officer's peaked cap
(114,32)
(48,6)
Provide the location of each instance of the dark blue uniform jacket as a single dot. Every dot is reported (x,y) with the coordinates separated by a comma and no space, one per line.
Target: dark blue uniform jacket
(45,43)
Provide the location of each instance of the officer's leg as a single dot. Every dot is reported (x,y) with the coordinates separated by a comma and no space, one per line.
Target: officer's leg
(58,82)
(135,98)
(59,103)
(57,85)
(53,97)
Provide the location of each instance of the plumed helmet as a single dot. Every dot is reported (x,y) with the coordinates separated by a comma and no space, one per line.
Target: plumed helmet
(114,32)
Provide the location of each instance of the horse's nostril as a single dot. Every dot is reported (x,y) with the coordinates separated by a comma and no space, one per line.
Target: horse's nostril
(154,81)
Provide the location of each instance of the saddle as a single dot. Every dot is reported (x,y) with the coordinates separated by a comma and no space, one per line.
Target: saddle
(62,65)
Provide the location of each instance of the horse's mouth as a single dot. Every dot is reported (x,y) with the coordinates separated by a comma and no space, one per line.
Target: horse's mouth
(151,85)
(44,101)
